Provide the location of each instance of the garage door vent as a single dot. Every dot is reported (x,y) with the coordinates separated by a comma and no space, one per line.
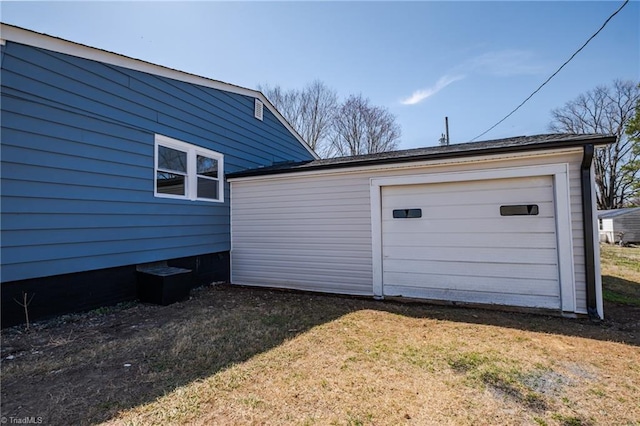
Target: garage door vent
(519,210)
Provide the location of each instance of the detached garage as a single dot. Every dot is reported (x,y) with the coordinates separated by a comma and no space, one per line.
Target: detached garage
(506,222)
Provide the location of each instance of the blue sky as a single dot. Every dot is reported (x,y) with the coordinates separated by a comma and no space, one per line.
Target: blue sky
(471,61)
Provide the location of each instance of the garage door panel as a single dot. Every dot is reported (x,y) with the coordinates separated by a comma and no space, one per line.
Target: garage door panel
(498,298)
(463,255)
(464,198)
(475,240)
(491,185)
(471,225)
(478,269)
(480,211)
(464,246)
(515,286)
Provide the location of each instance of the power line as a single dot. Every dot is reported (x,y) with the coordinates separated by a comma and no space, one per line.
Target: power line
(554,74)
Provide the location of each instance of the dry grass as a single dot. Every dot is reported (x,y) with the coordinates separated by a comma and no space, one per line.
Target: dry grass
(248,356)
(373,367)
(621,274)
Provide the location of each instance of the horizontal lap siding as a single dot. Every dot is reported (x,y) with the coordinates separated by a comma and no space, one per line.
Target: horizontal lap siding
(77,163)
(306,234)
(629,224)
(314,232)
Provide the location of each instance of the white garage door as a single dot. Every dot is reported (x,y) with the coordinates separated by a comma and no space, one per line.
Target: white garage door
(486,241)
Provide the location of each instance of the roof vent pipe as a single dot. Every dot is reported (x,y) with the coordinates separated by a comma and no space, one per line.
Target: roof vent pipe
(446,126)
(444,137)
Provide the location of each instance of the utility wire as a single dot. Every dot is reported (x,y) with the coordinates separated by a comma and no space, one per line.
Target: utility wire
(554,74)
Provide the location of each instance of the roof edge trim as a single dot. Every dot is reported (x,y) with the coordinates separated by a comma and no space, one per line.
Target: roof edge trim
(557,144)
(27,37)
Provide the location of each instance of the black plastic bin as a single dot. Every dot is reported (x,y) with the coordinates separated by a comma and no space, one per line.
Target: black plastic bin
(164,285)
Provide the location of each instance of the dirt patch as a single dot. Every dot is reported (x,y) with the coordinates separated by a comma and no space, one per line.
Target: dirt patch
(233,355)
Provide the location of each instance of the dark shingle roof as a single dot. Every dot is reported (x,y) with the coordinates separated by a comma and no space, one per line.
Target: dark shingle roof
(606,214)
(515,144)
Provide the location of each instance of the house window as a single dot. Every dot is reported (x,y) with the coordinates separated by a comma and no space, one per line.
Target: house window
(186,171)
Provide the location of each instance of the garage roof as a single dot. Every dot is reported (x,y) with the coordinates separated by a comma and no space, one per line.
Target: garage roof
(497,146)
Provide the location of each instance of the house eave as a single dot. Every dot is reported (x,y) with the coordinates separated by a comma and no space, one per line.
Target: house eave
(24,36)
(354,162)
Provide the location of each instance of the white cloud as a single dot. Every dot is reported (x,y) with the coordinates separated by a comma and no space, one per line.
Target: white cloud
(504,63)
(501,63)
(420,95)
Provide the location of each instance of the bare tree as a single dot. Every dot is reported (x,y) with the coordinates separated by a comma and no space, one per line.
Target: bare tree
(606,110)
(633,132)
(361,128)
(310,111)
(319,107)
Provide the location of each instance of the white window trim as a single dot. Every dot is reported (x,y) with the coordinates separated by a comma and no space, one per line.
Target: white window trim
(191,181)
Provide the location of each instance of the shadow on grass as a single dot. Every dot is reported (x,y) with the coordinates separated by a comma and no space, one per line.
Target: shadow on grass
(88,368)
(619,290)
(86,371)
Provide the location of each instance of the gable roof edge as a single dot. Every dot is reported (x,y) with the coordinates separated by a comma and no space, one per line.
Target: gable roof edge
(27,37)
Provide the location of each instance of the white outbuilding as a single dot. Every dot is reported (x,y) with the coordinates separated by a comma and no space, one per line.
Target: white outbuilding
(505,222)
(620,226)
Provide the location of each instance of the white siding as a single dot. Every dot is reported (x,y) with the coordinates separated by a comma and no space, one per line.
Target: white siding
(306,234)
(606,233)
(607,224)
(312,231)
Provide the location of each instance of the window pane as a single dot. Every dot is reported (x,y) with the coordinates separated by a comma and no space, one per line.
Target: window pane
(407,214)
(207,188)
(169,183)
(519,210)
(207,166)
(172,159)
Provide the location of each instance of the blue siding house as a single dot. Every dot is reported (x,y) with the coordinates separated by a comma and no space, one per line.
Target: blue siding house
(109,162)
